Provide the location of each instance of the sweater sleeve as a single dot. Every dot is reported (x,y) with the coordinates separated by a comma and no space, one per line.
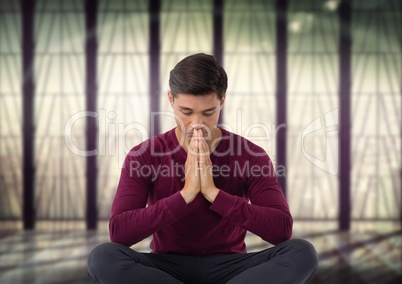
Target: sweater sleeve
(131,221)
(267,215)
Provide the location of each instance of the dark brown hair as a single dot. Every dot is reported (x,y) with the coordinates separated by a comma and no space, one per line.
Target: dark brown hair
(198,74)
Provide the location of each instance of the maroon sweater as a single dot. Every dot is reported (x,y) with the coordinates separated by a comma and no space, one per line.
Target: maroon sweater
(148,200)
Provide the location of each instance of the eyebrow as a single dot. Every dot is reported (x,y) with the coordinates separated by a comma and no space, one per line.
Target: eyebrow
(189,109)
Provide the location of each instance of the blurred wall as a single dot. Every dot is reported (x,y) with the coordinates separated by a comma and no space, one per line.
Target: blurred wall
(249,57)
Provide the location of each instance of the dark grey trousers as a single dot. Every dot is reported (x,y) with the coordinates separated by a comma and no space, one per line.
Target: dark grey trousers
(293,261)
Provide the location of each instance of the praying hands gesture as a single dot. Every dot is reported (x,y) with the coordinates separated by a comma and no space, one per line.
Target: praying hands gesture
(198,170)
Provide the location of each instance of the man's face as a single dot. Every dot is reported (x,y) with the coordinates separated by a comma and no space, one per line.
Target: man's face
(196,112)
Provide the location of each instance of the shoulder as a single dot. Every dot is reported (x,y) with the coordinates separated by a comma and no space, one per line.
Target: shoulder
(241,146)
(155,146)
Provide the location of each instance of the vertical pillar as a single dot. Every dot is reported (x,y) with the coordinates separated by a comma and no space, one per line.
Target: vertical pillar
(218,36)
(281,87)
(154,65)
(28,90)
(91,48)
(400,169)
(345,44)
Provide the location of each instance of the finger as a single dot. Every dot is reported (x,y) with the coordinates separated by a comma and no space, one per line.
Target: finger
(197,142)
(203,154)
(199,139)
(198,136)
(200,144)
(193,147)
(203,147)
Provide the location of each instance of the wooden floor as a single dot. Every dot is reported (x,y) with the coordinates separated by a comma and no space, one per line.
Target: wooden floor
(367,254)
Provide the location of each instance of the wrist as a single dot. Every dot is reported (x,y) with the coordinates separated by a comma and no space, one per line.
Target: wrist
(188,198)
(211,194)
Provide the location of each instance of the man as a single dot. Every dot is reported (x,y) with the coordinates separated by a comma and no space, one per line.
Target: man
(197,189)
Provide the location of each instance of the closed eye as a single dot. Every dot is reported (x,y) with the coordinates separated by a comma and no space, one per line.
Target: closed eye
(208,113)
(187,113)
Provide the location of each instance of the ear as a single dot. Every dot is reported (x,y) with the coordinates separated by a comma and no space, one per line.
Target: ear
(223,101)
(171,98)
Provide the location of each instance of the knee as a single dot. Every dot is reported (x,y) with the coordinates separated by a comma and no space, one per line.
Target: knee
(101,258)
(305,251)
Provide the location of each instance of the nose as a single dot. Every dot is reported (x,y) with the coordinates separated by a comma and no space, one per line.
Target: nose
(197,122)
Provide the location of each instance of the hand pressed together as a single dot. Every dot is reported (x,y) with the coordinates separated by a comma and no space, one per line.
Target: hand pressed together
(198,170)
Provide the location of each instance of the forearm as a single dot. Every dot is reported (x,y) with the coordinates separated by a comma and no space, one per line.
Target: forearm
(273,224)
(130,226)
